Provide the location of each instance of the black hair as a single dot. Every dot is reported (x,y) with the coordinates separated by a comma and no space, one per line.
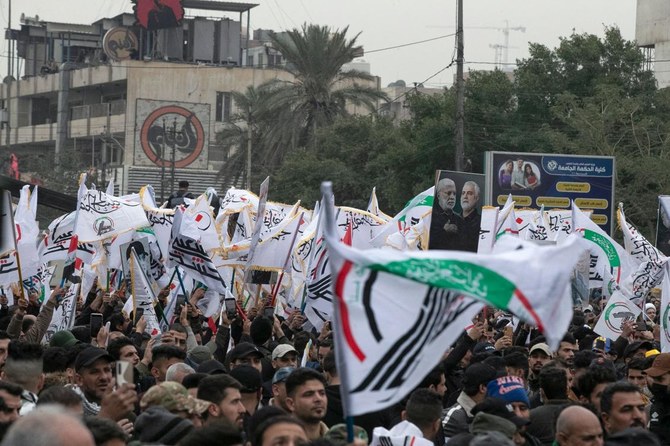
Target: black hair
(115,346)
(301,339)
(433,378)
(300,376)
(594,375)
(192,380)
(73,352)
(517,360)
(329,365)
(554,383)
(167,352)
(115,320)
(223,433)
(213,388)
(260,330)
(423,408)
(176,326)
(638,364)
(257,438)
(610,390)
(82,333)
(55,359)
(12,389)
(59,395)
(104,430)
(260,416)
(583,359)
(24,351)
(4,335)
(569,338)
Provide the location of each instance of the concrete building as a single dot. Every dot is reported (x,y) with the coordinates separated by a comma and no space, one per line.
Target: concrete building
(652,33)
(398,109)
(135,103)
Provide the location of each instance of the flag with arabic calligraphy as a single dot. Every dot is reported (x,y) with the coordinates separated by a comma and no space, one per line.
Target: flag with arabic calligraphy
(64,315)
(435,294)
(57,242)
(421,206)
(9,268)
(102,216)
(605,252)
(192,258)
(143,295)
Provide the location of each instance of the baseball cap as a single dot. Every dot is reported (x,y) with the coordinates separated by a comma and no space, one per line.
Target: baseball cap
(211,367)
(243,350)
(588,309)
(281,374)
(63,338)
(478,373)
(483,347)
(282,350)
(88,356)
(174,397)
(249,377)
(499,408)
(543,347)
(660,366)
(635,346)
(510,389)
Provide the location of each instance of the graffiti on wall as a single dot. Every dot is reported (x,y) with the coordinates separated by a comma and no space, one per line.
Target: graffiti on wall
(170,132)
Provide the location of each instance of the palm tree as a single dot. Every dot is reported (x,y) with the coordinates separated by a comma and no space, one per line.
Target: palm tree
(320,90)
(279,116)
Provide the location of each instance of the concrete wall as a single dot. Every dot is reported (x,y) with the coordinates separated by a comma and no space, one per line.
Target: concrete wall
(652,23)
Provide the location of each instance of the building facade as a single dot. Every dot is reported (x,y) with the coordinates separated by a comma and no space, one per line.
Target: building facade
(652,33)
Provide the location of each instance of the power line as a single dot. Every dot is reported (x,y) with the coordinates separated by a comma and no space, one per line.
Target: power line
(409,44)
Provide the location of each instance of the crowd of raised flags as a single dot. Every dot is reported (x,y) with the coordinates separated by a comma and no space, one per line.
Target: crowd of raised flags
(395,306)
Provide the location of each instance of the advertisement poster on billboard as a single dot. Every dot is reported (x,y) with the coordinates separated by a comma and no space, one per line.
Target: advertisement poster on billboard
(457,211)
(536,179)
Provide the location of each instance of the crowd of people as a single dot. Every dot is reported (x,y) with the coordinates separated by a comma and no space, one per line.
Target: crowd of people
(266,381)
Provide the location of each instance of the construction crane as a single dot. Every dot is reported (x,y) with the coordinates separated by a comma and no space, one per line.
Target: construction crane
(500,49)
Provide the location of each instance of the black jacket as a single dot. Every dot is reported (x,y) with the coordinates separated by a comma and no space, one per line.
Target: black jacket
(368,421)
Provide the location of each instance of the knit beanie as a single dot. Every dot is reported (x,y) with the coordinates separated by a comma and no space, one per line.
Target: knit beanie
(508,388)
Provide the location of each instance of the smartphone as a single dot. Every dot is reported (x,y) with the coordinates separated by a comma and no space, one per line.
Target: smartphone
(181,301)
(269,312)
(125,374)
(231,308)
(95,324)
(139,312)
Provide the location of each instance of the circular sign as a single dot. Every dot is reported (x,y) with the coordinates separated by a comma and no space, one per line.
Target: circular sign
(172,131)
(616,314)
(120,43)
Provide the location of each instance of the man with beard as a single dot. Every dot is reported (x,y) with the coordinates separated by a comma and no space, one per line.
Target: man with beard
(307,400)
(446,225)
(539,355)
(621,407)
(659,415)
(566,350)
(471,218)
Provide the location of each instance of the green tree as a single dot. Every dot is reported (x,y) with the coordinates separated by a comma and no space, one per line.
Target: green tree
(320,90)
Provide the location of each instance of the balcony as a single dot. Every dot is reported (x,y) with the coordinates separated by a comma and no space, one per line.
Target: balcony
(94,119)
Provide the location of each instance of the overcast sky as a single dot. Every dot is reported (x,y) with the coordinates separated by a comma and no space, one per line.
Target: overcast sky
(386,23)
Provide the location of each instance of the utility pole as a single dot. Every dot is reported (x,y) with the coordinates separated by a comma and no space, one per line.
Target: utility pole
(460,91)
(249,132)
(163,164)
(174,145)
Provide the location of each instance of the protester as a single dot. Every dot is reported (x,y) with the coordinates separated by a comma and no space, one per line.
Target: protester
(659,374)
(307,400)
(48,426)
(554,392)
(622,406)
(223,393)
(577,426)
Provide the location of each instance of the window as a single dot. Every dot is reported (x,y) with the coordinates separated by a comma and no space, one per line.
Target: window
(224,103)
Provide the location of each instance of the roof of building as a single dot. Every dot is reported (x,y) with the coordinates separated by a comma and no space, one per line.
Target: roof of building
(218,6)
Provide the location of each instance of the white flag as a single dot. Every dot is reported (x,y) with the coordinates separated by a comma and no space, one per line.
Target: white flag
(102,216)
(665,310)
(617,310)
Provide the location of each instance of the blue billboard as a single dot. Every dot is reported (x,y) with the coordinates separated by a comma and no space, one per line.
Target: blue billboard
(553,181)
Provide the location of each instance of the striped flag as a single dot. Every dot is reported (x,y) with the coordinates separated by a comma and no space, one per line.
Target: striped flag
(397,312)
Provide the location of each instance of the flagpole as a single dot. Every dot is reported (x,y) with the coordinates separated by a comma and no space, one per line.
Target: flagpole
(310,259)
(327,206)
(8,197)
(286,262)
